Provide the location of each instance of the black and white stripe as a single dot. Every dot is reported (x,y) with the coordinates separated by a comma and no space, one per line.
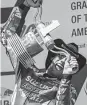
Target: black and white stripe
(20,51)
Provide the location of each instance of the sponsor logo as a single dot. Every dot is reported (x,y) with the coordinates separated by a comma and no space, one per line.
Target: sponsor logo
(5,92)
(4,102)
(5,96)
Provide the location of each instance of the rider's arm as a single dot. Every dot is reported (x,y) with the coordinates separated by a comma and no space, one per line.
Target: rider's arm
(16,19)
(15,23)
(65,95)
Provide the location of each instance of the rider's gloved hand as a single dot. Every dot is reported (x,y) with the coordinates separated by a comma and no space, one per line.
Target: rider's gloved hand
(65,67)
(33,3)
(3,39)
(70,67)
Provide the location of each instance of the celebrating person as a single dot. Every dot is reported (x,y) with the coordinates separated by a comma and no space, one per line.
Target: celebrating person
(53,86)
(63,64)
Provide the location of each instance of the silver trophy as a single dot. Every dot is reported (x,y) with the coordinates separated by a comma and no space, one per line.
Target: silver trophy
(31,44)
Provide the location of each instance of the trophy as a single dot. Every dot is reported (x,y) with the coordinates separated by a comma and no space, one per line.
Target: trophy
(31,44)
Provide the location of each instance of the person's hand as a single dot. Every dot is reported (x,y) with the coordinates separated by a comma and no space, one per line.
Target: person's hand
(33,3)
(3,41)
(50,93)
(71,66)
